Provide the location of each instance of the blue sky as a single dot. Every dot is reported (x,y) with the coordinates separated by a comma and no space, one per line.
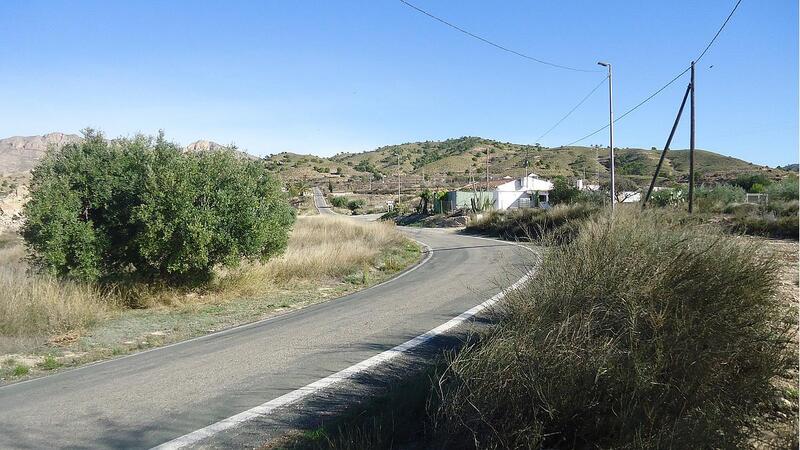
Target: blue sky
(324,77)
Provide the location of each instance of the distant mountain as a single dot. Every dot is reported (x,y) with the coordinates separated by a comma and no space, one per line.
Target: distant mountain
(20,153)
(463,158)
(790,167)
(210,146)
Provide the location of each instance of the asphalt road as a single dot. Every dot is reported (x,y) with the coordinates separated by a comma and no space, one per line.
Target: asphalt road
(149,398)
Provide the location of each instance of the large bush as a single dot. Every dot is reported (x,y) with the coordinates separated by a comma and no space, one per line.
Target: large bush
(101,210)
(752,182)
(641,333)
(786,189)
(716,198)
(563,191)
(533,223)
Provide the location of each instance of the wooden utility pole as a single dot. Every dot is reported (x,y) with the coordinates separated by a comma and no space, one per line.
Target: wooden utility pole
(691,144)
(666,146)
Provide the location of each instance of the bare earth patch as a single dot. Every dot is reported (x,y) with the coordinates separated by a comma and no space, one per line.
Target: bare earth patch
(783,428)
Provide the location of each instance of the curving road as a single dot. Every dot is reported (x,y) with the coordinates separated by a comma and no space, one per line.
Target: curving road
(150,398)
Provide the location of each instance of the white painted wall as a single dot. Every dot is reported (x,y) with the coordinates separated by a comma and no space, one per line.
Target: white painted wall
(508,194)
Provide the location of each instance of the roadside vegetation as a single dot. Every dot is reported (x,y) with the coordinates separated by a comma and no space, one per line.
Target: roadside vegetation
(561,221)
(645,331)
(131,244)
(775,216)
(76,322)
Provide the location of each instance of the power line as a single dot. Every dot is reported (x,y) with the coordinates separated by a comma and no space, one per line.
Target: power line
(573,109)
(498,46)
(719,31)
(634,108)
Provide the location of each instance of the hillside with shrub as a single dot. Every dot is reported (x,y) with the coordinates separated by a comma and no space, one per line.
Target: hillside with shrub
(458,159)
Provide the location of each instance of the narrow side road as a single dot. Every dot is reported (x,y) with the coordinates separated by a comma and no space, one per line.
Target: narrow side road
(149,398)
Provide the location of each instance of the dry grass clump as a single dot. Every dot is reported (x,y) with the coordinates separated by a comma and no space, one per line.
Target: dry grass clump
(640,333)
(320,248)
(533,223)
(36,304)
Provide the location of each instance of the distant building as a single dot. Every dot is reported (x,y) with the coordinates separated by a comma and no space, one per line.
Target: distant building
(583,185)
(524,192)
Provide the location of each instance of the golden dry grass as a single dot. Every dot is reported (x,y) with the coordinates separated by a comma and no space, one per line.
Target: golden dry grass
(321,250)
(36,304)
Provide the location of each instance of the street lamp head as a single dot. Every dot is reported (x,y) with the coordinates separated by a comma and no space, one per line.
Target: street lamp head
(604,64)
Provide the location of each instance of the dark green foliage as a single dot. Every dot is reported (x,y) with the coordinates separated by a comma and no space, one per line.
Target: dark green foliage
(750,180)
(339,202)
(563,191)
(427,157)
(366,166)
(103,210)
(631,163)
(355,205)
(640,333)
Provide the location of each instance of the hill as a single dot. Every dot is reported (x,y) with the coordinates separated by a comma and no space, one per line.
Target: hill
(454,161)
(20,153)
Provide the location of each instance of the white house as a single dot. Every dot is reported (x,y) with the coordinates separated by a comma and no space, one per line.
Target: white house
(523,192)
(505,193)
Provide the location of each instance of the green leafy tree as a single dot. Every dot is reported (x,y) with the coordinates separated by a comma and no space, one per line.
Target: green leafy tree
(563,191)
(103,210)
(355,205)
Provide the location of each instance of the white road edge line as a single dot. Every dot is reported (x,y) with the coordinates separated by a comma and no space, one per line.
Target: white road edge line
(296,395)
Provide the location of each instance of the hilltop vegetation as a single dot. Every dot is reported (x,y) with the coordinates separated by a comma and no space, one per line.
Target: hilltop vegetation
(456,160)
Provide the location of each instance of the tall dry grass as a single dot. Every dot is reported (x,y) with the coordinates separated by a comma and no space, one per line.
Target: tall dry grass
(320,248)
(642,332)
(36,304)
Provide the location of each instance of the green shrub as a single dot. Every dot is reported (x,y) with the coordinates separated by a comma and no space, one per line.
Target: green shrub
(339,201)
(640,333)
(533,223)
(355,205)
(785,190)
(20,370)
(716,198)
(563,192)
(749,180)
(105,210)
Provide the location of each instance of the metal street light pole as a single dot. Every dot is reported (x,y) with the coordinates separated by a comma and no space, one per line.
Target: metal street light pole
(611,131)
(398,180)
